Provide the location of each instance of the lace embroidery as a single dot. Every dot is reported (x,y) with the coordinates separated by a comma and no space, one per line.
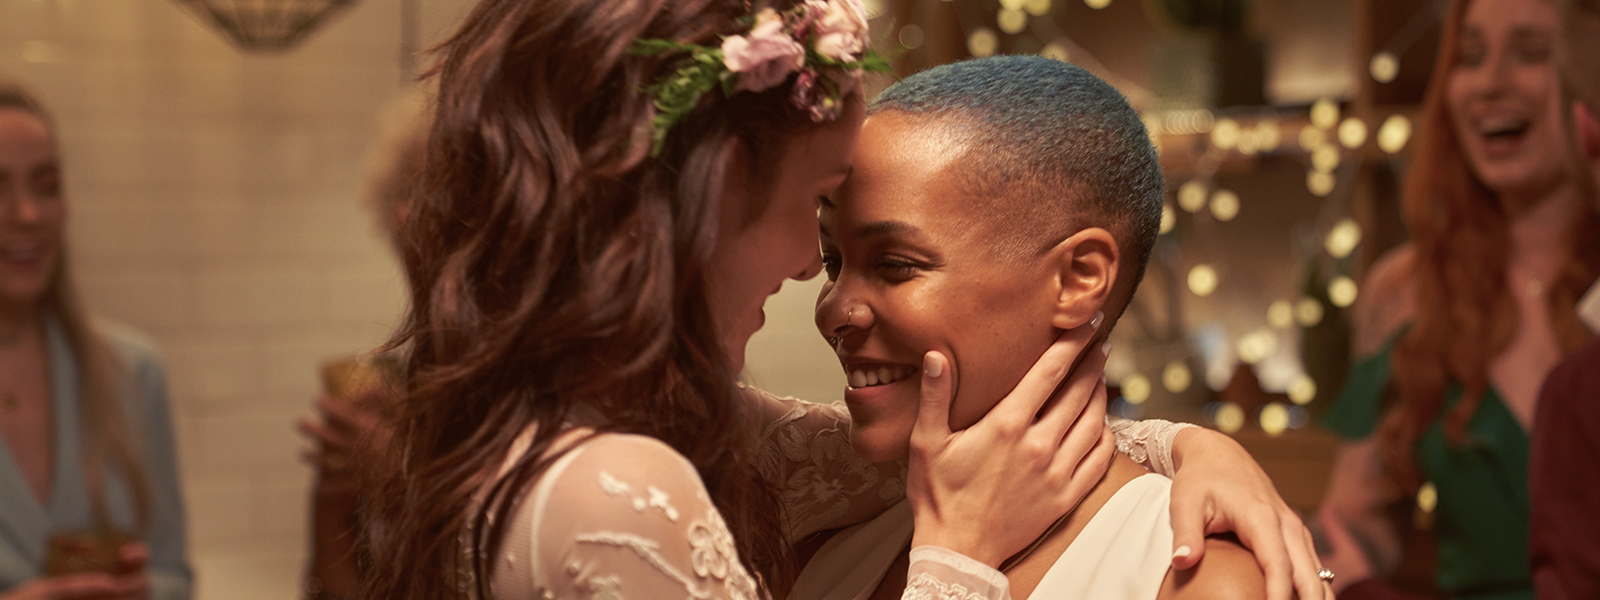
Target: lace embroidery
(656,498)
(807,453)
(1147,442)
(645,549)
(925,587)
(713,556)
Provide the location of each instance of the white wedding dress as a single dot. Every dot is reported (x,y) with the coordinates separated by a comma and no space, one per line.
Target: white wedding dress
(626,516)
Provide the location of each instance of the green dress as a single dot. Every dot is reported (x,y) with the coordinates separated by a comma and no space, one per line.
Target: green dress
(1481,520)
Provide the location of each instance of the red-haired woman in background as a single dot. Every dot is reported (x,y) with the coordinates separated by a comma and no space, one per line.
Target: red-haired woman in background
(89,501)
(1458,328)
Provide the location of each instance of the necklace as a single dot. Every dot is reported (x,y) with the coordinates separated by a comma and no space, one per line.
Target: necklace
(1017,558)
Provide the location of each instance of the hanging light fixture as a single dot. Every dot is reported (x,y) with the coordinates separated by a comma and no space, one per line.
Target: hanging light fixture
(266,25)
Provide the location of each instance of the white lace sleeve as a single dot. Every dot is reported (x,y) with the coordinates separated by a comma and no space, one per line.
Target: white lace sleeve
(805,452)
(940,574)
(625,516)
(1147,442)
(622,516)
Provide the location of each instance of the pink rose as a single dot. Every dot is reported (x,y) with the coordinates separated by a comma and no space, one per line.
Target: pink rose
(810,12)
(765,57)
(842,34)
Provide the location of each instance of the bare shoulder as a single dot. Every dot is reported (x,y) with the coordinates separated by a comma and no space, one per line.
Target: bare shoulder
(1387,300)
(1228,572)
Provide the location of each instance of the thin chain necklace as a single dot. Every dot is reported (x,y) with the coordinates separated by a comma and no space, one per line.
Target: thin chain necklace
(1016,559)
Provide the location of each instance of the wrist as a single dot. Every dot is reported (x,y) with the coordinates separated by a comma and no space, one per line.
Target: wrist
(958,544)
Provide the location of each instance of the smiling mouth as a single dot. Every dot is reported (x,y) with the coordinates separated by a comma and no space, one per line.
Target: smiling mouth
(1503,129)
(865,376)
(22,252)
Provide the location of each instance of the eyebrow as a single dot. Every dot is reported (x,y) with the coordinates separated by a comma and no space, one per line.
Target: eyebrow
(886,228)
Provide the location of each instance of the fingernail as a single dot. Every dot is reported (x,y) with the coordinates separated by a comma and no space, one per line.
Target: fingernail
(1105,348)
(1094,321)
(1182,551)
(931,366)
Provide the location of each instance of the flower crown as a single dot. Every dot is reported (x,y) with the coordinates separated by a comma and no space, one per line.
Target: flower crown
(812,36)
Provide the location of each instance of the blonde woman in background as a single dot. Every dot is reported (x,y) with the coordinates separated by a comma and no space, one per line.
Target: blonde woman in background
(89,500)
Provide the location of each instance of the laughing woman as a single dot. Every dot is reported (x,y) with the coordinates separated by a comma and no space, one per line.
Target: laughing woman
(88,477)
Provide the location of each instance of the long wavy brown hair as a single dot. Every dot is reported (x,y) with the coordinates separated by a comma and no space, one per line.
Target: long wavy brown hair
(554,264)
(1466,315)
(111,442)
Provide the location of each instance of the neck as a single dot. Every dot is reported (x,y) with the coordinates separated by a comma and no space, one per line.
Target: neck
(1028,572)
(1541,233)
(17,320)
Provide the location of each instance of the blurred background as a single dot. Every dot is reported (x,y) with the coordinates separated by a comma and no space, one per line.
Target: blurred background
(216,150)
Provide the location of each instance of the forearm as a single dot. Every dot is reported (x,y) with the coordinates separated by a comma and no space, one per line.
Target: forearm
(332,571)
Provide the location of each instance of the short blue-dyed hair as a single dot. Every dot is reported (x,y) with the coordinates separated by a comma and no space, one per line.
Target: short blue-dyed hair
(1053,150)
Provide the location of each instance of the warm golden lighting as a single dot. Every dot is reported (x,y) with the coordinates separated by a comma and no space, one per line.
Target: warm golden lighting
(1342,291)
(1325,158)
(1248,144)
(1097,4)
(1224,205)
(1319,183)
(1353,132)
(982,42)
(1257,345)
(1230,417)
(1302,390)
(1268,137)
(1225,134)
(1202,280)
(1280,314)
(1394,133)
(1427,497)
(1037,8)
(1384,67)
(1012,21)
(1058,51)
(1192,196)
(1136,388)
(1308,312)
(911,37)
(1325,113)
(1312,138)
(1169,219)
(1274,418)
(1343,238)
(1176,377)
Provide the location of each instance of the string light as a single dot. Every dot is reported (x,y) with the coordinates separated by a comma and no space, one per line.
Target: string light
(1202,280)
(1394,133)
(1302,390)
(1268,135)
(1225,135)
(1058,51)
(1097,4)
(1342,291)
(1224,205)
(1037,8)
(1319,183)
(1274,418)
(1230,418)
(1192,196)
(982,42)
(1257,345)
(1312,138)
(1280,314)
(1427,497)
(911,37)
(1308,312)
(1353,133)
(1325,159)
(1176,377)
(1384,67)
(1169,219)
(1136,388)
(1325,113)
(1248,144)
(1342,238)
(1012,21)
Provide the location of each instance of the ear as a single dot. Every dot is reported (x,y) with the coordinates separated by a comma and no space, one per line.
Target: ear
(1085,272)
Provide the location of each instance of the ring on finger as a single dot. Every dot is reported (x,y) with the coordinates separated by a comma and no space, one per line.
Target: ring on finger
(1325,575)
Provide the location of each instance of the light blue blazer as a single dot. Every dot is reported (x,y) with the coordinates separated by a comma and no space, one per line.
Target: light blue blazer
(25,526)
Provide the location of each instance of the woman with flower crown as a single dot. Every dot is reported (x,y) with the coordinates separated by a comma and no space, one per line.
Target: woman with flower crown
(612,189)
